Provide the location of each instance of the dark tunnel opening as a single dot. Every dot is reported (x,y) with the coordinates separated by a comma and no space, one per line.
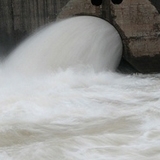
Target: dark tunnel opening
(96,2)
(117,1)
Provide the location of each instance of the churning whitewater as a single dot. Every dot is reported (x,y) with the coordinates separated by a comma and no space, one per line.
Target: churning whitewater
(61,99)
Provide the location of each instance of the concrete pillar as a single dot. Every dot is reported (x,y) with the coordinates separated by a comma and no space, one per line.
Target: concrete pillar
(138,22)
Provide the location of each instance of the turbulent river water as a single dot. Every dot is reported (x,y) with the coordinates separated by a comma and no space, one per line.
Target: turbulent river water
(76,112)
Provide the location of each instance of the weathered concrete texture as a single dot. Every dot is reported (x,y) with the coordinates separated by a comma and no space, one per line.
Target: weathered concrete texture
(80,7)
(139,25)
(20,17)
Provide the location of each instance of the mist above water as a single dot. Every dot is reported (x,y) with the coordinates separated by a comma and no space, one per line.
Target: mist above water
(61,98)
(81,41)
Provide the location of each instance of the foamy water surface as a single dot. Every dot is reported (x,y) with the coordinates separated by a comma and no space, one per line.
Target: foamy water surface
(79,115)
(82,111)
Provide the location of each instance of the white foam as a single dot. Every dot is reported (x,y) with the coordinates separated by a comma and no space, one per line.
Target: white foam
(75,113)
(80,116)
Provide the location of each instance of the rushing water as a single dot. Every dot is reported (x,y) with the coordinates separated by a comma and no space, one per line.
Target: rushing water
(77,112)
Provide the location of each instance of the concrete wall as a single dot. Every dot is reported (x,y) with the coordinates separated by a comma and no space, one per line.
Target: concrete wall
(19,18)
(139,25)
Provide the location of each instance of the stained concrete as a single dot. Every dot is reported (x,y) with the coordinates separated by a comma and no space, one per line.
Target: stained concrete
(139,25)
(19,18)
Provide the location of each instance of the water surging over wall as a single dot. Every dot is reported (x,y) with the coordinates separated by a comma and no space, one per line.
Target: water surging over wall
(85,113)
(85,40)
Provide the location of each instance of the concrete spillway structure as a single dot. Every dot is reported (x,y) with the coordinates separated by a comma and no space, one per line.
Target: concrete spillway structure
(138,23)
